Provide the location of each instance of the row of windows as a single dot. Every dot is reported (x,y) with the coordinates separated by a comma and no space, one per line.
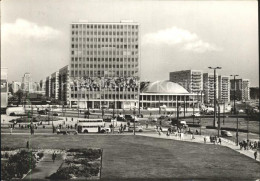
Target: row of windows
(106,96)
(101,73)
(104,26)
(103,66)
(125,53)
(103,46)
(114,40)
(104,59)
(129,33)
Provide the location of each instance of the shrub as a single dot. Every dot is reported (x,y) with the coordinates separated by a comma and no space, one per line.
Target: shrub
(40,154)
(64,173)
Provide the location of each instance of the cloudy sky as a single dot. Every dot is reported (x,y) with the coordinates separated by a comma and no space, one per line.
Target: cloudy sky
(175,35)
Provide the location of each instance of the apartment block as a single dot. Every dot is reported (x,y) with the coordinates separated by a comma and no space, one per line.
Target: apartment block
(208,87)
(224,88)
(54,90)
(191,80)
(241,88)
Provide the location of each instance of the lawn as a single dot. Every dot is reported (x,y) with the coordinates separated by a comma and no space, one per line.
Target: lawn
(137,157)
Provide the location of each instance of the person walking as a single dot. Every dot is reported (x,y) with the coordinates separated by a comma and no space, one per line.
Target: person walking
(219,140)
(11,130)
(53,156)
(205,139)
(255,154)
(27,144)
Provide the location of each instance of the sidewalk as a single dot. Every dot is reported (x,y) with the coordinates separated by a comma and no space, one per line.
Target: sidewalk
(45,167)
(200,139)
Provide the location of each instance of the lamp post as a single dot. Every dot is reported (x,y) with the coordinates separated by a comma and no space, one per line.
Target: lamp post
(234,97)
(134,120)
(214,122)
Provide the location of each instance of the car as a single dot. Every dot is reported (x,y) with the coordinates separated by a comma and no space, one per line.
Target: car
(241,111)
(56,114)
(226,133)
(137,128)
(43,112)
(120,118)
(107,120)
(195,115)
(129,117)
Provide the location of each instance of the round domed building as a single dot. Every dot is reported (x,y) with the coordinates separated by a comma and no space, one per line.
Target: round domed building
(168,94)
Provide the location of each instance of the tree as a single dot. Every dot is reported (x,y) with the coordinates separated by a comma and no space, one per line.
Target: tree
(20,95)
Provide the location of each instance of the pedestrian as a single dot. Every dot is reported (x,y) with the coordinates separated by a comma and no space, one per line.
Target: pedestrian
(146,124)
(11,130)
(219,140)
(255,154)
(205,139)
(53,156)
(193,137)
(27,144)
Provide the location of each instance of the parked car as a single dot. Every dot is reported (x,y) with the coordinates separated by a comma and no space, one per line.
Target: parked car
(107,120)
(241,111)
(137,128)
(226,133)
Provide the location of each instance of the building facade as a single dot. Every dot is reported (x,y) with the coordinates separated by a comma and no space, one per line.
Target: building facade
(16,86)
(191,80)
(54,89)
(64,85)
(48,86)
(167,94)
(43,85)
(27,84)
(208,87)
(224,89)
(104,64)
(4,88)
(254,92)
(241,88)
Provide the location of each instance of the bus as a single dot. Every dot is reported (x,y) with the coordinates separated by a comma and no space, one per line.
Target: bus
(90,126)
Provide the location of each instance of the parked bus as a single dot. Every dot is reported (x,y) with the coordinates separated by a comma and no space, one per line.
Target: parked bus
(90,126)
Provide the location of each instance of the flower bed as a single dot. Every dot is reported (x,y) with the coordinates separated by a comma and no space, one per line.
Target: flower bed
(79,163)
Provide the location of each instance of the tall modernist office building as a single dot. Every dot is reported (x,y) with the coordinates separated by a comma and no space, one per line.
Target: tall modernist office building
(224,88)
(105,63)
(208,87)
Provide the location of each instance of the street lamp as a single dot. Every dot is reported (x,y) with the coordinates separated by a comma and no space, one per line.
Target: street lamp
(134,120)
(234,97)
(214,122)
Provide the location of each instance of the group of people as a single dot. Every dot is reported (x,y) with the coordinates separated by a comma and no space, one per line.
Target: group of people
(247,144)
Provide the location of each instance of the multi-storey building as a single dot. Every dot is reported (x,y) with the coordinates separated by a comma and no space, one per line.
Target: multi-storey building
(104,64)
(64,85)
(27,84)
(48,86)
(54,91)
(16,86)
(42,85)
(191,80)
(208,87)
(224,88)
(254,92)
(4,88)
(241,87)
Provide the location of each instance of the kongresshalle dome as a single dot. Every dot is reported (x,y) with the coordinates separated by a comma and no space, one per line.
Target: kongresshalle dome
(164,87)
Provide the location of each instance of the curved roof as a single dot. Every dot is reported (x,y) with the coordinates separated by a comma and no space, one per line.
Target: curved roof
(164,87)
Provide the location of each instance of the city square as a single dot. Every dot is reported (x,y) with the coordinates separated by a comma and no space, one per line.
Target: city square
(165,91)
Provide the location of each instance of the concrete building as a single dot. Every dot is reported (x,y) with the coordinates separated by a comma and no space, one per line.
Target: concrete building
(254,92)
(224,88)
(104,64)
(167,93)
(16,86)
(191,80)
(48,86)
(208,87)
(42,85)
(4,89)
(242,89)
(27,84)
(64,85)
(54,90)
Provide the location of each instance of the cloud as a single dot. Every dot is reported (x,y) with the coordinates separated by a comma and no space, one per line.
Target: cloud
(186,40)
(200,47)
(29,30)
